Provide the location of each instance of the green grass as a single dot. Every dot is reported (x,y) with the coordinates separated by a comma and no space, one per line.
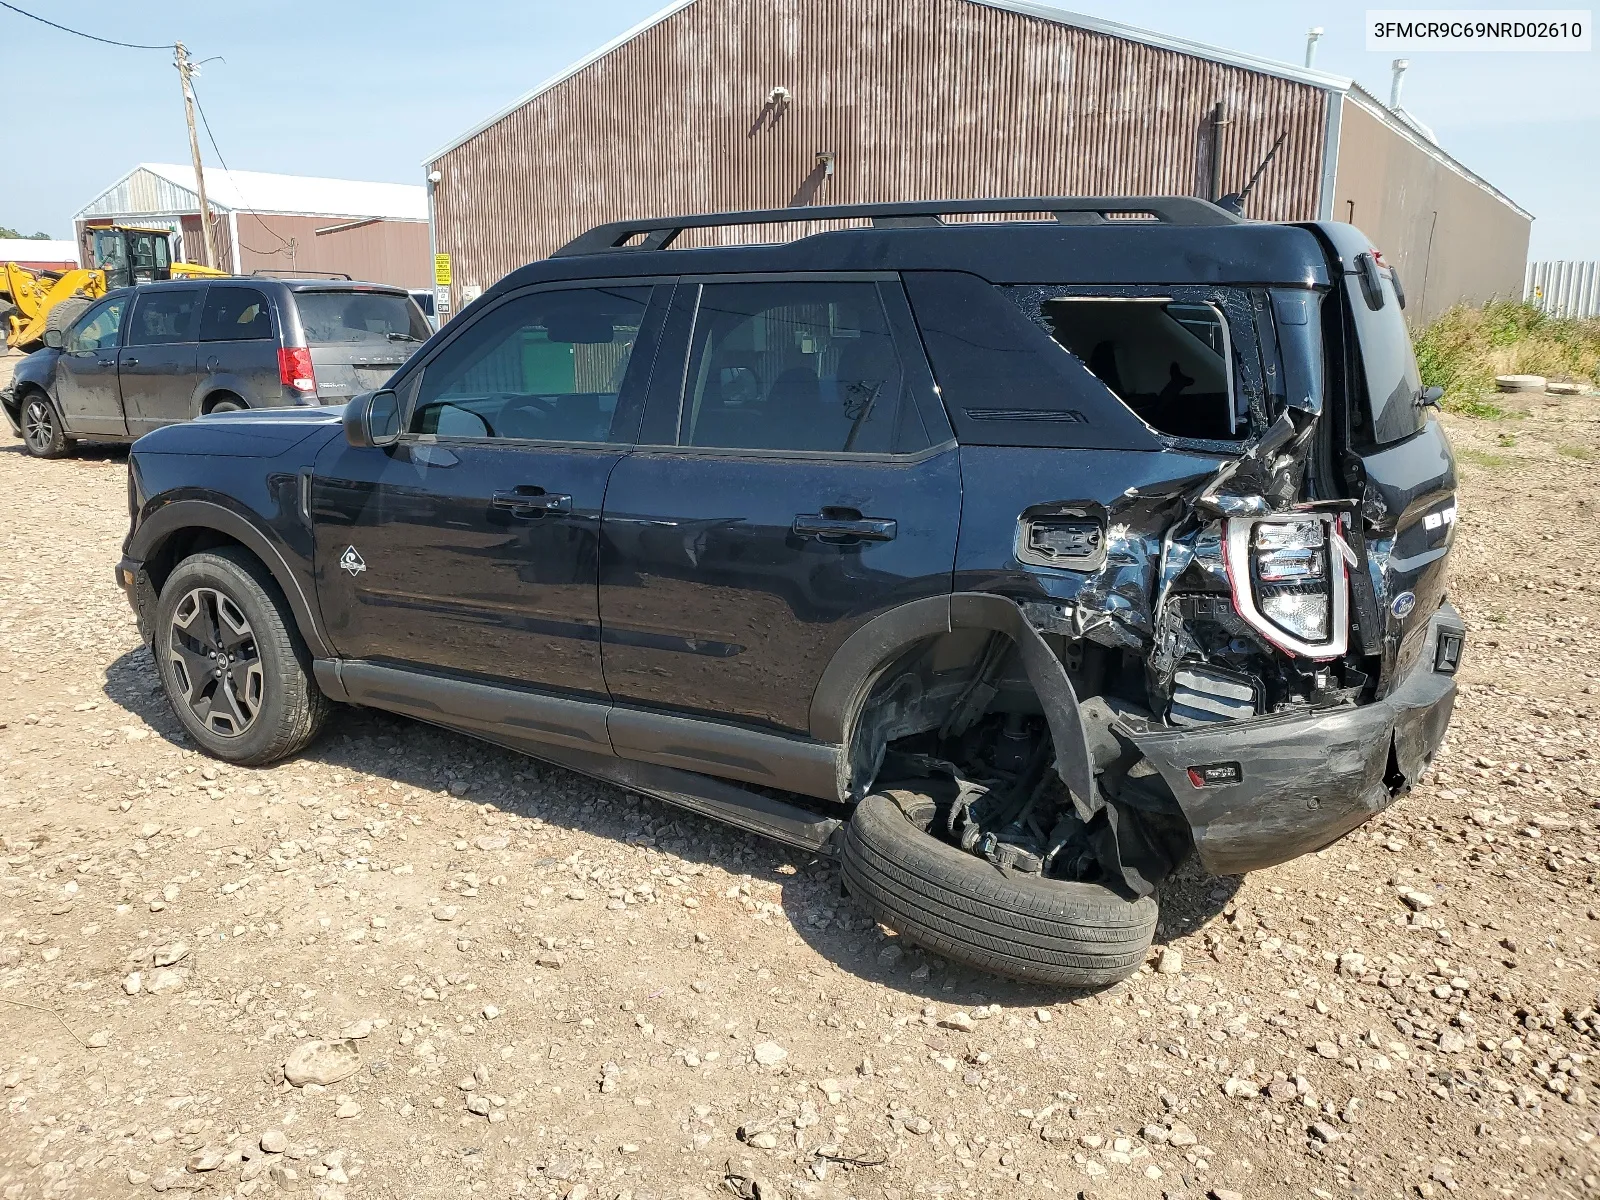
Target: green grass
(1482,458)
(1469,345)
(1573,451)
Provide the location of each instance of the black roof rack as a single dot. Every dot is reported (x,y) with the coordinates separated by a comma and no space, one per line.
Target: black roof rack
(269,273)
(658,233)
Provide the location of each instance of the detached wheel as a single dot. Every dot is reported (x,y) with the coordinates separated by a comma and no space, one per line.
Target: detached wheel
(234,669)
(42,434)
(1079,935)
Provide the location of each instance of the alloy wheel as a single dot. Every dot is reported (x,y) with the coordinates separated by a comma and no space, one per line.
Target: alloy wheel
(216,664)
(38,424)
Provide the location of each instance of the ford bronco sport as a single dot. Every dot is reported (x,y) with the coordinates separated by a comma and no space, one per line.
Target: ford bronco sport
(1010,550)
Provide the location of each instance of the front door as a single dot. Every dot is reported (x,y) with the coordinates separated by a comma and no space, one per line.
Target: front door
(812,484)
(470,548)
(86,372)
(157,365)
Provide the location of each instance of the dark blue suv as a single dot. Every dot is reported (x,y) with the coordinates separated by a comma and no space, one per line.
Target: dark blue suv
(1011,550)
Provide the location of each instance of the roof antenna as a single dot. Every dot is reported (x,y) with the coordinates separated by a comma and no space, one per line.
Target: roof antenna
(1234,201)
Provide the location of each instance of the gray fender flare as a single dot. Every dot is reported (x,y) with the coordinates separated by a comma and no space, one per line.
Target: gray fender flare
(855,667)
(147,540)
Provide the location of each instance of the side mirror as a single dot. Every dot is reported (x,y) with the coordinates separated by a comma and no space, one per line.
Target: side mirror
(53,339)
(1430,397)
(372,419)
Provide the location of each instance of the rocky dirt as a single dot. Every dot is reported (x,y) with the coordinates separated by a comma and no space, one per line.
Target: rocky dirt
(524,983)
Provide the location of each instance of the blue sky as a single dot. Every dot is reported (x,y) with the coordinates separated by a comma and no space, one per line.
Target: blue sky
(363,91)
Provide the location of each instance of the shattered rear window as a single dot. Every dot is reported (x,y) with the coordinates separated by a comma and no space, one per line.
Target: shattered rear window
(1184,360)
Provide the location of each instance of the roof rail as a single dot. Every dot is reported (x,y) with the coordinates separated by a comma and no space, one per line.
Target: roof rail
(271,273)
(658,233)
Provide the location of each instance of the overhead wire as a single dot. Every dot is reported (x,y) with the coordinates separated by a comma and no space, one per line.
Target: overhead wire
(93,37)
(217,150)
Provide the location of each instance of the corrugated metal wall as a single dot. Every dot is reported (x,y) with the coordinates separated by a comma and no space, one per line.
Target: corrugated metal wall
(382,252)
(1564,289)
(1451,240)
(917,99)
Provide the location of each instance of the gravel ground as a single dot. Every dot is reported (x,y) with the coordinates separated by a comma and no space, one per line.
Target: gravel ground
(526,983)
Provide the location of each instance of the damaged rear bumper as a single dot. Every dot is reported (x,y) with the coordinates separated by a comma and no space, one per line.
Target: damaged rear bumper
(1280,787)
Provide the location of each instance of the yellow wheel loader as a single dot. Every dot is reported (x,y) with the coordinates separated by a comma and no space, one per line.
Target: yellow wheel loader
(32,302)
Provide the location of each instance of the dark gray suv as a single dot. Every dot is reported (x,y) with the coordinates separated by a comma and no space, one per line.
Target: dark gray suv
(147,356)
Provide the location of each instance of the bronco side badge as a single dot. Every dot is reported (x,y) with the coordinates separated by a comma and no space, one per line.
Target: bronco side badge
(352,562)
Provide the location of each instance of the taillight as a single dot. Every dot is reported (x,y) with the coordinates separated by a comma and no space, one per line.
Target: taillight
(1290,581)
(294,369)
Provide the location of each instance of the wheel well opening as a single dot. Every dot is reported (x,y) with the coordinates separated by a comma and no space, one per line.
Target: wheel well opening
(961,706)
(209,404)
(179,545)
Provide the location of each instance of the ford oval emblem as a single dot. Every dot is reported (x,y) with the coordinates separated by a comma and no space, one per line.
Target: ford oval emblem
(1404,605)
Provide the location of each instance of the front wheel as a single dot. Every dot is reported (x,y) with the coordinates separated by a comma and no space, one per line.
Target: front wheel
(1052,931)
(42,433)
(233,667)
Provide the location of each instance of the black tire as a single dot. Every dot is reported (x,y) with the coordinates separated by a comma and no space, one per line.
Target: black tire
(42,432)
(1080,935)
(65,313)
(265,706)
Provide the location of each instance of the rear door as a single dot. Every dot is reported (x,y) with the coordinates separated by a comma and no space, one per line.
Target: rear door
(239,346)
(158,365)
(802,479)
(86,371)
(358,337)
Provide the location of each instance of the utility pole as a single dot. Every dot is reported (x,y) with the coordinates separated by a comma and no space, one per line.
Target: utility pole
(180,59)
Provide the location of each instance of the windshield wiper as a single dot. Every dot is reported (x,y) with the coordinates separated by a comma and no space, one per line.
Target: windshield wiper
(401,337)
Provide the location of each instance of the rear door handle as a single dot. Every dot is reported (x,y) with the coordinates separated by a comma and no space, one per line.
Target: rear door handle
(844,529)
(528,501)
(130,362)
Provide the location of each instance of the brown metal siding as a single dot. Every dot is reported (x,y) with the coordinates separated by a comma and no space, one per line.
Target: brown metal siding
(1451,240)
(918,99)
(382,252)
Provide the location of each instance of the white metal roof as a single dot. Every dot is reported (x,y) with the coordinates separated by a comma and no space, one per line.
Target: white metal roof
(157,189)
(37,250)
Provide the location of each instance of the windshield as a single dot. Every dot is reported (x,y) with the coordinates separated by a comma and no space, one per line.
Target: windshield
(334,318)
(1393,383)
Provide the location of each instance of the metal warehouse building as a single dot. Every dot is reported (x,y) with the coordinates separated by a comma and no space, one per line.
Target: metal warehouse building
(736,104)
(280,223)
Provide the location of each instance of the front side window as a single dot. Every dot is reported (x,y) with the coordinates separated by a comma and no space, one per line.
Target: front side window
(547,366)
(97,330)
(336,318)
(165,316)
(807,366)
(235,314)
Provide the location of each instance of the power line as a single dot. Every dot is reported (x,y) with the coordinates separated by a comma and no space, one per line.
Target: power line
(80,33)
(212,138)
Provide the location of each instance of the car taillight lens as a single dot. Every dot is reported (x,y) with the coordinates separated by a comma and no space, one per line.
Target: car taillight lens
(1290,583)
(294,368)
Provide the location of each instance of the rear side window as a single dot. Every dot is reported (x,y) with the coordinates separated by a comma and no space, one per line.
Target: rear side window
(794,365)
(235,314)
(1169,361)
(165,316)
(1389,365)
(334,318)
(1005,380)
